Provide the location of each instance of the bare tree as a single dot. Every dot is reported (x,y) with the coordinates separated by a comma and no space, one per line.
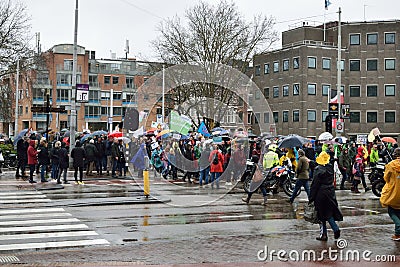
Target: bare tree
(14,35)
(212,34)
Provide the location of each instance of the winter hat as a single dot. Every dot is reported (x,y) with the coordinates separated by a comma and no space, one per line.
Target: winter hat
(323,158)
(91,141)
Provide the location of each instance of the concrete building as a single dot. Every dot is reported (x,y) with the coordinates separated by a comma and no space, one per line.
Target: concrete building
(112,89)
(298,79)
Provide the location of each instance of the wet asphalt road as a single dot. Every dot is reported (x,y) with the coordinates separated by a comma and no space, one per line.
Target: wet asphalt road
(201,225)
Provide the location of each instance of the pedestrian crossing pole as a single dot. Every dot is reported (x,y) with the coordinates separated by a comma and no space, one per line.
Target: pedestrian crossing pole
(146,179)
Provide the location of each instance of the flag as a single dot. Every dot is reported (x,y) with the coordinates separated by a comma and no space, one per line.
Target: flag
(180,124)
(327,3)
(203,130)
(138,159)
(138,132)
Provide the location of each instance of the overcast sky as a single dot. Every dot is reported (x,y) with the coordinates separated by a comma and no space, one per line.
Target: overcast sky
(104,25)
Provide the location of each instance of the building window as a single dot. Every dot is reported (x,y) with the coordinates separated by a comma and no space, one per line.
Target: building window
(372,90)
(312,62)
(266,93)
(107,79)
(296,115)
(296,63)
(324,114)
(355,39)
(68,64)
(355,91)
(276,116)
(63,95)
(276,66)
(312,89)
(266,68)
(390,38)
(296,89)
(390,64)
(266,117)
(257,116)
(105,111)
(115,79)
(257,70)
(372,117)
(390,89)
(325,89)
(311,115)
(257,94)
(276,91)
(129,82)
(372,64)
(117,96)
(92,111)
(117,111)
(285,90)
(390,116)
(372,38)
(285,65)
(285,116)
(326,63)
(354,65)
(105,95)
(355,117)
(94,96)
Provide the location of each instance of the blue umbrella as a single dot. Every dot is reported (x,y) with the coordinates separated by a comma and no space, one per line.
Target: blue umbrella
(20,135)
(100,132)
(84,138)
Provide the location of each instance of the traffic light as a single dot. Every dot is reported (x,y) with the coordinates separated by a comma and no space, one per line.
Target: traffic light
(328,124)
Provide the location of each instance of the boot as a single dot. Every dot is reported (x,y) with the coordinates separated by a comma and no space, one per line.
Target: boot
(323,237)
(264,203)
(246,199)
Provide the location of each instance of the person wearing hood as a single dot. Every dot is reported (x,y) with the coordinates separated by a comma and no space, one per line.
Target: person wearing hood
(390,196)
(78,155)
(302,176)
(322,193)
(32,160)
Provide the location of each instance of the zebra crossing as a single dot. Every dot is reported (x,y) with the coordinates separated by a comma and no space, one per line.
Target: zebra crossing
(27,222)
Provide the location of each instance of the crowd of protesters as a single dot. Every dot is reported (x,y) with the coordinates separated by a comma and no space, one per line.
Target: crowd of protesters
(100,155)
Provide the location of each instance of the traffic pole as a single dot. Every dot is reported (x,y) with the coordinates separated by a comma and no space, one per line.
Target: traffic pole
(146,179)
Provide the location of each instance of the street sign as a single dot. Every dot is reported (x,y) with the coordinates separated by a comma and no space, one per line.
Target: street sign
(345,114)
(82,93)
(333,108)
(48,109)
(339,127)
(362,139)
(110,120)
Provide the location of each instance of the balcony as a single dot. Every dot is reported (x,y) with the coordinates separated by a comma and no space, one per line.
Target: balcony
(39,116)
(43,84)
(94,85)
(68,68)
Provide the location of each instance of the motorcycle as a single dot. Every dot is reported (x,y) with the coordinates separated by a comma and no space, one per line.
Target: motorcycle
(10,159)
(376,178)
(274,179)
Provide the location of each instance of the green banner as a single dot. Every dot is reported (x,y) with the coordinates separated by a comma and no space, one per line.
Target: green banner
(180,124)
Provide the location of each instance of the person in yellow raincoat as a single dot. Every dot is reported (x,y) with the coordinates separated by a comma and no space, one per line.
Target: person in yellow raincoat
(390,196)
(290,155)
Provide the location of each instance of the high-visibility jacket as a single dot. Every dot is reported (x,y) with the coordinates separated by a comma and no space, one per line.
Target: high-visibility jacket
(270,160)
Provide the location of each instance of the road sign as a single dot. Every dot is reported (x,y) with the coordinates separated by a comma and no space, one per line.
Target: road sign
(339,127)
(48,109)
(82,93)
(345,114)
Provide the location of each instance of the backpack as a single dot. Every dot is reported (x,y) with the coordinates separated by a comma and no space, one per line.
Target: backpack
(354,170)
(215,160)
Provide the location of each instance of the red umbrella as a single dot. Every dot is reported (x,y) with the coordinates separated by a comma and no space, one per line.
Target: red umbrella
(115,134)
(389,140)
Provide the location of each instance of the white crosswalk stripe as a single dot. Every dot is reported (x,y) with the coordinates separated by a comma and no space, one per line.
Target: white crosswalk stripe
(41,227)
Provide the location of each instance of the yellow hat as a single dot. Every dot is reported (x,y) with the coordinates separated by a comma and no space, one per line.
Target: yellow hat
(323,158)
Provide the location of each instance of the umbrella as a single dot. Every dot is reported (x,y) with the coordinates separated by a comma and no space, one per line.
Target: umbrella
(67,134)
(240,134)
(325,136)
(115,134)
(164,133)
(389,140)
(251,135)
(20,135)
(124,139)
(293,141)
(217,129)
(83,139)
(98,133)
(64,130)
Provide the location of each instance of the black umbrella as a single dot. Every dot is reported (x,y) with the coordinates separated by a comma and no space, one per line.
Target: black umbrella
(293,141)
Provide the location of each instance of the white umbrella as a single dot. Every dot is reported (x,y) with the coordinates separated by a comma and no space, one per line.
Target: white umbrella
(124,139)
(325,136)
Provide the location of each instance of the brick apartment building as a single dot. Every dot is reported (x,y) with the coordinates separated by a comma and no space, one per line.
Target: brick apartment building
(297,79)
(112,84)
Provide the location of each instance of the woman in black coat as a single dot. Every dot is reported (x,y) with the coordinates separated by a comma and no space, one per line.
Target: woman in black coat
(78,155)
(322,193)
(63,163)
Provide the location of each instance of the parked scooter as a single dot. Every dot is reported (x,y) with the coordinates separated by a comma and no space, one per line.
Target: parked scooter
(10,159)
(376,178)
